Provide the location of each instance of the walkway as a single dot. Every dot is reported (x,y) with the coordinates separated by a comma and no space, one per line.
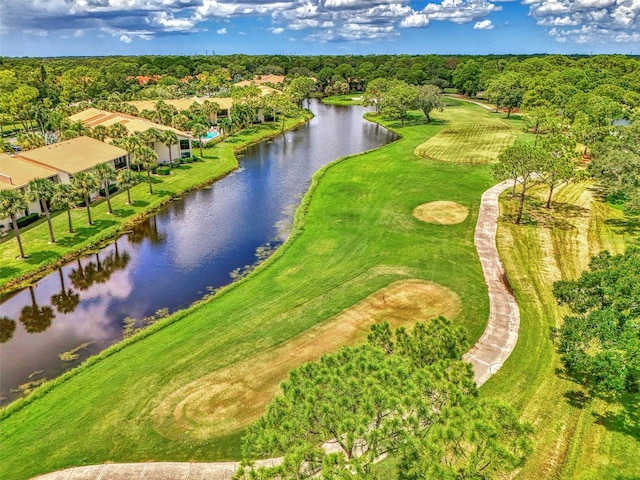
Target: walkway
(487,356)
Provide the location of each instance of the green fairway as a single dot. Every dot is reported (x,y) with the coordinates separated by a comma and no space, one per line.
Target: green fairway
(574,439)
(355,235)
(472,134)
(217,161)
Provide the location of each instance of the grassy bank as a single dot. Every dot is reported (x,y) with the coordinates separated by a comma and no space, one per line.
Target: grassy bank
(354,98)
(574,438)
(180,391)
(217,161)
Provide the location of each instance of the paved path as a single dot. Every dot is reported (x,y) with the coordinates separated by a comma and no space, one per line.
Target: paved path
(487,356)
(501,334)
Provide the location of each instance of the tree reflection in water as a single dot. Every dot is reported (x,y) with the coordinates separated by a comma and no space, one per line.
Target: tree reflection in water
(7,327)
(99,271)
(67,300)
(147,229)
(36,319)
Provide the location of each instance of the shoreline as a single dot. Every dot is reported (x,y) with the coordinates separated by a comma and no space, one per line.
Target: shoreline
(105,237)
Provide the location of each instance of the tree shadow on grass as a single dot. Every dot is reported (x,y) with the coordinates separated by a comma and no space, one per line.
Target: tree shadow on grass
(7,272)
(35,258)
(84,232)
(123,212)
(629,225)
(622,416)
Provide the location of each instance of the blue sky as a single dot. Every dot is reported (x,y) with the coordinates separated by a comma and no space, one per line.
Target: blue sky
(308,27)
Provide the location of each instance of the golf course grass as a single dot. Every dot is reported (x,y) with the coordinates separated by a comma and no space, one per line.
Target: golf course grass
(217,161)
(474,136)
(574,438)
(354,239)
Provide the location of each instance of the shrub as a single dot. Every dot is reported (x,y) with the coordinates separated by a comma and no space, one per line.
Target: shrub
(187,160)
(112,189)
(27,220)
(164,170)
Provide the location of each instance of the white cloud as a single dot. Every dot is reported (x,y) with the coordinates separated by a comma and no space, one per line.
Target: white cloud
(277,31)
(415,20)
(484,25)
(125,38)
(221,31)
(588,21)
(459,11)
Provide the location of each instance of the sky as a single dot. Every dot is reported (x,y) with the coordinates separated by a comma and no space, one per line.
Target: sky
(39,28)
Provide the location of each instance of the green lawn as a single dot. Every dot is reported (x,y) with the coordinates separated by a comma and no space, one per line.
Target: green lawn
(354,234)
(216,162)
(354,98)
(573,439)
(472,134)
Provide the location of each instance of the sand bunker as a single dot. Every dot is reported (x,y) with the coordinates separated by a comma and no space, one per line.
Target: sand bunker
(229,399)
(441,212)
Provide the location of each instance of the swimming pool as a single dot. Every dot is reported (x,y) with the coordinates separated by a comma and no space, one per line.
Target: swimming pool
(211,135)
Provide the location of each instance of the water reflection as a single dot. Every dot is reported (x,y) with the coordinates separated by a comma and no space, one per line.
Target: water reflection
(67,300)
(175,257)
(36,319)
(7,327)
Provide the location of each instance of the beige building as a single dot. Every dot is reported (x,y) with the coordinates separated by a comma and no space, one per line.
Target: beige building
(93,117)
(59,162)
(181,104)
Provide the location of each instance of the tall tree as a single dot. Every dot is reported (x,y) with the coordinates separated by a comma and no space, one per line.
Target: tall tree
(519,162)
(394,396)
(146,158)
(558,162)
(84,183)
(429,99)
(64,196)
(599,341)
(507,90)
(42,190)
(105,174)
(127,179)
(398,100)
(12,202)
(169,138)
(199,130)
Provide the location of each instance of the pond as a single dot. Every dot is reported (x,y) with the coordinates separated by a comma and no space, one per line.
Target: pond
(190,248)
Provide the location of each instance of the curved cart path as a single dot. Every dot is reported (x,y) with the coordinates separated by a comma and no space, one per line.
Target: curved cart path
(487,356)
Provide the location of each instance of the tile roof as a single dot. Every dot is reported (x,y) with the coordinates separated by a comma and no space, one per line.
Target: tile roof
(16,172)
(73,156)
(92,117)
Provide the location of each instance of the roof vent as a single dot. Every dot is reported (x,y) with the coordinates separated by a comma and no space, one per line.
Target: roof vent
(6,179)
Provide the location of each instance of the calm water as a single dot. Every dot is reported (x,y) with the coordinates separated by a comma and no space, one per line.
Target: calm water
(175,257)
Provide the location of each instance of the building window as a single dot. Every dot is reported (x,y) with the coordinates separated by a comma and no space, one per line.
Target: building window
(184,144)
(120,163)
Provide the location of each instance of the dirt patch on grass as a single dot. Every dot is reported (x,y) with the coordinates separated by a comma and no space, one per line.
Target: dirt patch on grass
(229,399)
(441,212)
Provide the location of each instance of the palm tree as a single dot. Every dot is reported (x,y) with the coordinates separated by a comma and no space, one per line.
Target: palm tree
(83,184)
(169,138)
(150,136)
(75,129)
(146,157)
(64,196)
(118,131)
(105,174)
(42,189)
(226,126)
(67,300)
(209,108)
(13,202)
(199,130)
(36,319)
(100,132)
(127,179)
